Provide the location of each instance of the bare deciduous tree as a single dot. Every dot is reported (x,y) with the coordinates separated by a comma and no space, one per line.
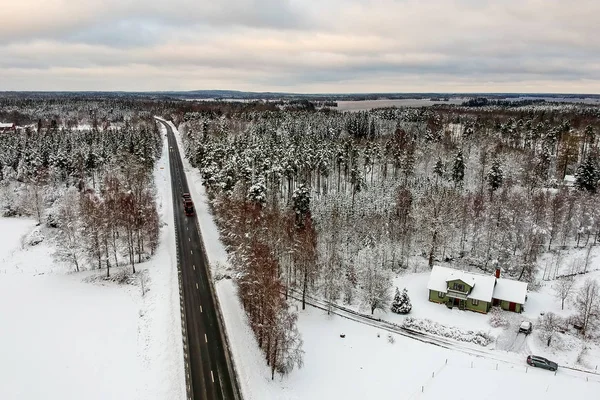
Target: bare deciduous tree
(69,244)
(588,304)
(563,289)
(547,325)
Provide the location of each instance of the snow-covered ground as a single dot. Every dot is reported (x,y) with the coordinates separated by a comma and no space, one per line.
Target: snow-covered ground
(366,364)
(64,336)
(566,349)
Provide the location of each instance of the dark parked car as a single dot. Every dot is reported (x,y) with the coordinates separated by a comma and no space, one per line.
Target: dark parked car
(537,361)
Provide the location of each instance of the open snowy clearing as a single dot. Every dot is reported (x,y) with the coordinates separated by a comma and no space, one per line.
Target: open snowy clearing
(65,337)
(365,364)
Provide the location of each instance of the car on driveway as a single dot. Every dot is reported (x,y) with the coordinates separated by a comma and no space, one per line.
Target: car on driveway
(525,327)
(541,362)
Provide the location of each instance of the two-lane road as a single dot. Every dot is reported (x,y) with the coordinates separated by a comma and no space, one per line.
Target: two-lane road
(210,373)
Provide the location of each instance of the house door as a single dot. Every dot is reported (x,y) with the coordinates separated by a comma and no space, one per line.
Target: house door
(512,307)
(456,302)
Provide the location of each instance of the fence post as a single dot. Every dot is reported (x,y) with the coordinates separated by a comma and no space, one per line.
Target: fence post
(433,374)
(471,364)
(447,363)
(422,389)
(496,366)
(526,369)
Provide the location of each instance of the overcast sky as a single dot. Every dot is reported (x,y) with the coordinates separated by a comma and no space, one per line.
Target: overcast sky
(302,45)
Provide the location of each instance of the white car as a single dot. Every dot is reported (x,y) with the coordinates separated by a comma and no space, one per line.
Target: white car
(525,327)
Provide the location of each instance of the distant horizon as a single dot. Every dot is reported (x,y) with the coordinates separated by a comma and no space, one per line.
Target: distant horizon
(274,92)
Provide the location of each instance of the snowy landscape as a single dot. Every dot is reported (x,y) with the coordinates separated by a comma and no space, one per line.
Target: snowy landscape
(77,335)
(316,200)
(91,309)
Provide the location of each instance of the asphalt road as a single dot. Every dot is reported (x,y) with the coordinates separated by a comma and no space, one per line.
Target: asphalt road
(208,358)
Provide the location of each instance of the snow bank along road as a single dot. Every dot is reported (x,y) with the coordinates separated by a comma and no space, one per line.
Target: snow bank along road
(210,372)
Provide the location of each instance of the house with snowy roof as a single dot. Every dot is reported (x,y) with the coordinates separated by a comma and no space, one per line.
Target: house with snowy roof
(7,127)
(475,292)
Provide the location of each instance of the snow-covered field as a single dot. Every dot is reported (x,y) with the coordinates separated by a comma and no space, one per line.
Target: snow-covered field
(64,336)
(366,364)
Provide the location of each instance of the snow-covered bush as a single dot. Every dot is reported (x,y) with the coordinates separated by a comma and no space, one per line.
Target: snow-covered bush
(425,325)
(401,304)
(35,237)
(498,318)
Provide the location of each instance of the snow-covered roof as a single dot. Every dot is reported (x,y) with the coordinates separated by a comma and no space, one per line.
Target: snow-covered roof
(483,285)
(509,290)
(461,275)
(437,279)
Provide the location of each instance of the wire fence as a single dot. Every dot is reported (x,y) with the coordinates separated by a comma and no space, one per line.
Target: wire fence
(421,391)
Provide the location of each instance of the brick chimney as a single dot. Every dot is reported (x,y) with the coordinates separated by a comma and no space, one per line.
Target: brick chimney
(497,272)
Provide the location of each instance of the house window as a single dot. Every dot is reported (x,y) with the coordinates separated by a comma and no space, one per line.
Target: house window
(441,295)
(459,286)
(475,302)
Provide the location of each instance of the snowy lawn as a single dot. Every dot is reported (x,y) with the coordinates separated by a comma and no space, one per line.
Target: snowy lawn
(416,284)
(491,384)
(65,337)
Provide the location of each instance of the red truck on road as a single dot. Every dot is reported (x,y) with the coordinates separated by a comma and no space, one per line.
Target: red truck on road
(188,204)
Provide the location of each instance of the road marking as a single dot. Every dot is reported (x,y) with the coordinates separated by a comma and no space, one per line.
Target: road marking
(194,266)
(189,239)
(191,252)
(196,286)
(212,376)
(200,308)
(205,338)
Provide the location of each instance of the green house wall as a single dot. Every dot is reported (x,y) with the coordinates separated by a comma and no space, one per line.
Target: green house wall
(505,305)
(433,296)
(482,307)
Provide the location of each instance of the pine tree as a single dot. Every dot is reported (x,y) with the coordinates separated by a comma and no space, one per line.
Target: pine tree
(258,194)
(438,169)
(397,302)
(301,200)
(458,169)
(401,303)
(495,176)
(542,167)
(586,176)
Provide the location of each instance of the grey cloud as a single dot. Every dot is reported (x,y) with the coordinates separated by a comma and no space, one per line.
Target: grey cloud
(270,44)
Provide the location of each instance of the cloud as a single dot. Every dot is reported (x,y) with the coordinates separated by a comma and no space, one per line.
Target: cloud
(334,45)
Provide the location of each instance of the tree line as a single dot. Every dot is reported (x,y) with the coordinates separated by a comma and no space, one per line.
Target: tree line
(94,185)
